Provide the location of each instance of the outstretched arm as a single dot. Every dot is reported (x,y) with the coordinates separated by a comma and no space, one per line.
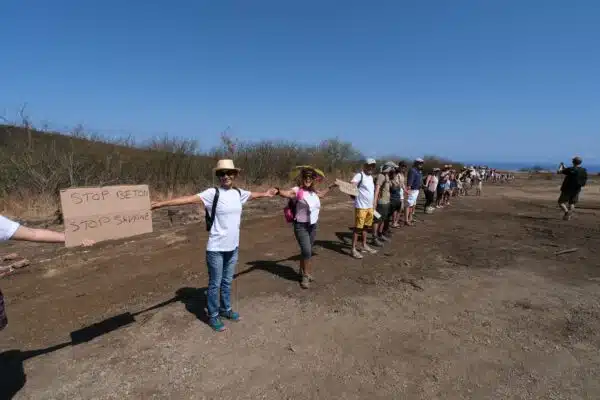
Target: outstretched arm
(287,194)
(323,193)
(43,235)
(38,235)
(180,201)
(259,195)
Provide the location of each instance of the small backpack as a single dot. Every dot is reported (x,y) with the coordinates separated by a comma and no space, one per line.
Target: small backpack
(210,219)
(582,177)
(289,212)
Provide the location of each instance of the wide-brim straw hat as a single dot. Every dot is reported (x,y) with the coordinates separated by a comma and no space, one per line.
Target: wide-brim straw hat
(299,168)
(225,165)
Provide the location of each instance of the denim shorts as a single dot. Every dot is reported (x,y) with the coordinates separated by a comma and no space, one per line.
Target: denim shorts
(305,235)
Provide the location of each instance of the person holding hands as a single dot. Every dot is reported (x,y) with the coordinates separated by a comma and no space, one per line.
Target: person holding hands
(305,205)
(223,208)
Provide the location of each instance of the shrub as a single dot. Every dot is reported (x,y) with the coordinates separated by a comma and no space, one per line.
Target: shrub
(36,165)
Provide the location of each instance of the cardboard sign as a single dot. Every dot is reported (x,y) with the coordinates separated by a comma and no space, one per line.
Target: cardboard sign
(347,188)
(104,213)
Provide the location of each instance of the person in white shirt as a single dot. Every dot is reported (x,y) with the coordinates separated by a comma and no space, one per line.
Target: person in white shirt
(364,206)
(223,218)
(305,202)
(11,230)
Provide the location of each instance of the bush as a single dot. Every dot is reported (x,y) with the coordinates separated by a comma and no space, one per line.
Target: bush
(36,165)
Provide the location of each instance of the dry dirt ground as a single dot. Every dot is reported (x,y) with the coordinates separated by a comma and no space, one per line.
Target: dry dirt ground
(473,303)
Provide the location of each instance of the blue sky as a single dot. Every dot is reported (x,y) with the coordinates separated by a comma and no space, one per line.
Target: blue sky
(498,80)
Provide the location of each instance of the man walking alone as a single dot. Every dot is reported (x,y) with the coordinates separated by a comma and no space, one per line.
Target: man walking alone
(575,179)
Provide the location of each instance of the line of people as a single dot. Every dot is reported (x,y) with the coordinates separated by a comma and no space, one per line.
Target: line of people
(386,199)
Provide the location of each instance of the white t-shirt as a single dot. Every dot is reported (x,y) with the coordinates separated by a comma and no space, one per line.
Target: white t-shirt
(366,190)
(308,208)
(225,232)
(7,228)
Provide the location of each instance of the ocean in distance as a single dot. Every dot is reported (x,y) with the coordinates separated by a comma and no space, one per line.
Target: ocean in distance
(516,166)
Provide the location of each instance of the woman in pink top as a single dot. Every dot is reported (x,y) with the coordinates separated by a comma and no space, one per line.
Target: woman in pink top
(306,202)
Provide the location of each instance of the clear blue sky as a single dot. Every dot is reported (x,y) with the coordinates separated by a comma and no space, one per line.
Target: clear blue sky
(511,80)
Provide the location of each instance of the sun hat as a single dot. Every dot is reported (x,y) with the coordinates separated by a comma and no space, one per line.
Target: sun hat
(297,170)
(225,164)
(370,161)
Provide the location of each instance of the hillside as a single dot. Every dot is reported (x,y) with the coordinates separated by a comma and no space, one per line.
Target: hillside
(35,165)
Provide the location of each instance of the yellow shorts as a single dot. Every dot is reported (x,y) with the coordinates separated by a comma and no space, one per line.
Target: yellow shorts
(363,217)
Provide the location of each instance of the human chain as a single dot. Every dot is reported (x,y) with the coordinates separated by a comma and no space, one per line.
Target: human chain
(385,198)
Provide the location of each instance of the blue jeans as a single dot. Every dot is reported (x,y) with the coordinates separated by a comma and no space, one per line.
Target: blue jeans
(221,267)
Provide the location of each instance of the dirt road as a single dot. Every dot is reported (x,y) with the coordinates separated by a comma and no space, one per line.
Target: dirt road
(473,302)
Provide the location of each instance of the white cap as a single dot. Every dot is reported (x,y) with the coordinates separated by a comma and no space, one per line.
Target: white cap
(370,161)
(419,160)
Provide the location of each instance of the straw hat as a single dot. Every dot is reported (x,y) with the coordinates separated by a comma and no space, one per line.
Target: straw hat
(225,164)
(299,168)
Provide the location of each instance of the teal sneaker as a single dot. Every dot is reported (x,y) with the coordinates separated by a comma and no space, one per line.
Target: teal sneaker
(217,324)
(230,315)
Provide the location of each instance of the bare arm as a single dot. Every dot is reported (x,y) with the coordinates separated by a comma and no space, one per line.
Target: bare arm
(288,194)
(38,235)
(323,193)
(376,198)
(180,201)
(260,195)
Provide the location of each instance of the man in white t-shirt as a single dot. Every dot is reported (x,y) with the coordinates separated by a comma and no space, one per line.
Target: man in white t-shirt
(363,206)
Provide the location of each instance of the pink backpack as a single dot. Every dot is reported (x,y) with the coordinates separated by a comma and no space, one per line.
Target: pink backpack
(289,212)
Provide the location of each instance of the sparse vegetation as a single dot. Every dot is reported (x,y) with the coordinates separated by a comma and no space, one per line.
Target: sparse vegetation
(36,164)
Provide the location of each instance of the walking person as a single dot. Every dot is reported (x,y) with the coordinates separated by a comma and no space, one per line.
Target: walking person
(12,230)
(223,211)
(305,205)
(431,185)
(575,179)
(363,207)
(414,183)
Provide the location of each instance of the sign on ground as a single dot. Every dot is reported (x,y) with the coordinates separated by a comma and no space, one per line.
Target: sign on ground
(104,213)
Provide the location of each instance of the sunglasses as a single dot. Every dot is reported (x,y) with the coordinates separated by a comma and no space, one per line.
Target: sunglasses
(309,175)
(226,172)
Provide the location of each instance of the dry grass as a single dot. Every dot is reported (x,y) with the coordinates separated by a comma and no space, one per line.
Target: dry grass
(35,165)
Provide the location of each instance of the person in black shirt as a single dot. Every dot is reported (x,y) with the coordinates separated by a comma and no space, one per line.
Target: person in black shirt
(575,179)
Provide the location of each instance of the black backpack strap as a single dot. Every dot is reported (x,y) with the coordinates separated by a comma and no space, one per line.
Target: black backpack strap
(210,219)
